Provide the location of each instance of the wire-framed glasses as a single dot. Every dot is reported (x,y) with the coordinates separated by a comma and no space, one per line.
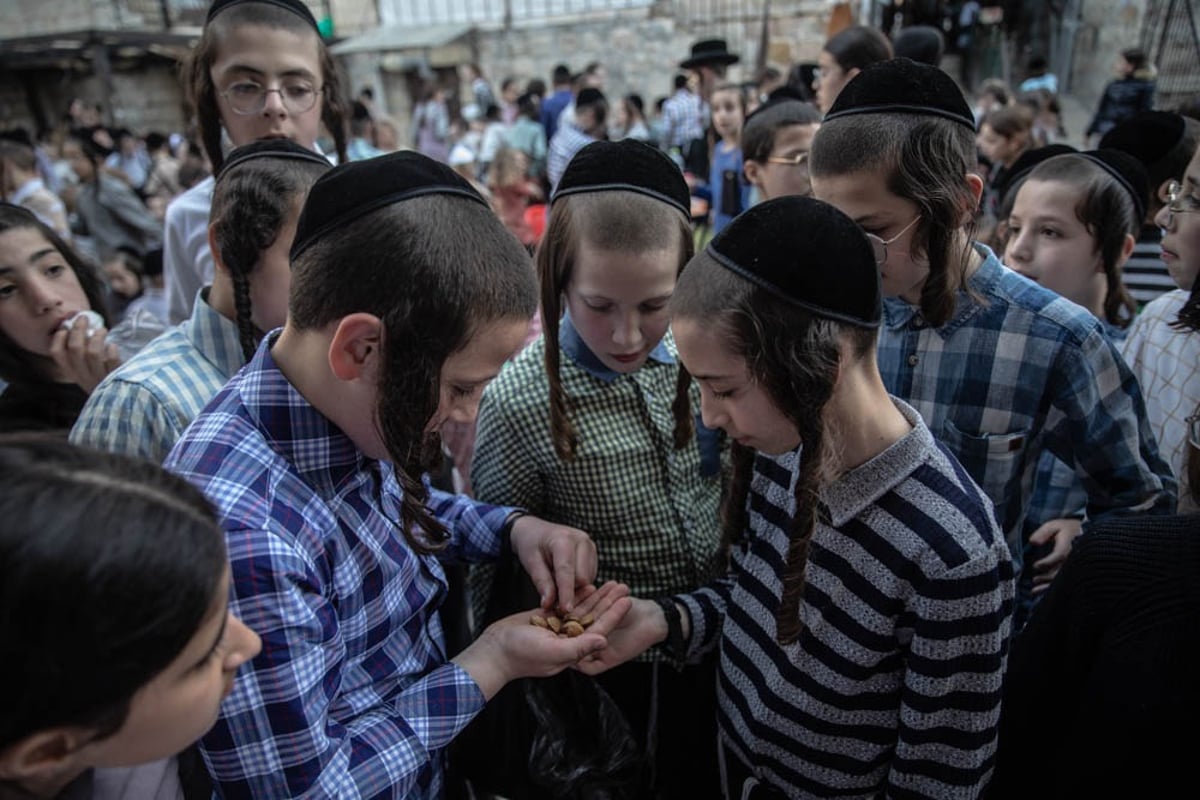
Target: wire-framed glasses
(1179,203)
(881,245)
(798,160)
(250,97)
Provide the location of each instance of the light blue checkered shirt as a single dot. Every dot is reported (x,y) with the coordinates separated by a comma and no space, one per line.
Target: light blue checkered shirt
(143,407)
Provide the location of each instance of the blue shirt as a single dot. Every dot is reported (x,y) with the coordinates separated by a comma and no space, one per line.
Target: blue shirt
(143,407)
(352,695)
(566,143)
(1021,372)
(552,106)
(725,181)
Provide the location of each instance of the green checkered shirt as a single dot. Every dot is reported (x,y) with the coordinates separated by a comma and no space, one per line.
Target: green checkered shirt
(649,508)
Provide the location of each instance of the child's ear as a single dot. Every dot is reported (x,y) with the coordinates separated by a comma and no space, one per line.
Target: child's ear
(1126,251)
(218,262)
(44,757)
(753,172)
(1162,194)
(975,187)
(355,347)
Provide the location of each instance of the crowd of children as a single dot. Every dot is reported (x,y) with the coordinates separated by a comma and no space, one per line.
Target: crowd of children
(846,438)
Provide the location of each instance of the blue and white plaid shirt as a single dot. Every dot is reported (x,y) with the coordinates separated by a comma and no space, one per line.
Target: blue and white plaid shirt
(352,695)
(568,141)
(1022,372)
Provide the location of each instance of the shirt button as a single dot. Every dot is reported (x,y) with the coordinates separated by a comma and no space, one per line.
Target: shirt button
(913,360)
(918,322)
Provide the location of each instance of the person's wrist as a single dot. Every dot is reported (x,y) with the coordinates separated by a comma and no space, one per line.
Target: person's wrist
(673,642)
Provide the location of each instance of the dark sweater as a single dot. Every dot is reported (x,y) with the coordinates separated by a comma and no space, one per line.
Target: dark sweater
(1102,690)
(40,406)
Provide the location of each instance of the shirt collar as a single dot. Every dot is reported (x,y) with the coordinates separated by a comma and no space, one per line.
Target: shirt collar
(26,190)
(215,337)
(898,313)
(320,452)
(572,344)
(851,494)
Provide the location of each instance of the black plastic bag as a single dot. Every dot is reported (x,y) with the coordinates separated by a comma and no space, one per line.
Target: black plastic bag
(559,737)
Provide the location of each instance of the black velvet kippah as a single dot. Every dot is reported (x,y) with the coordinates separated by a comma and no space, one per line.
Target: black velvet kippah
(1147,136)
(270,148)
(625,166)
(1128,171)
(1026,162)
(352,190)
(297,7)
(808,253)
(902,86)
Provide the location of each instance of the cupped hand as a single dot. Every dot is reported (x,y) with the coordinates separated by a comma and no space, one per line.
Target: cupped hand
(1063,533)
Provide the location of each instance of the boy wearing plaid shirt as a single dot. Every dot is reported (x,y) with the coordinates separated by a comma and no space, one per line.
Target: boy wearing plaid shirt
(313,454)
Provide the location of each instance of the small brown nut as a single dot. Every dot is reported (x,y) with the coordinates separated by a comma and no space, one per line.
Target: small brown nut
(554,623)
(538,621)
(587,620)
(570,618)
(573,629)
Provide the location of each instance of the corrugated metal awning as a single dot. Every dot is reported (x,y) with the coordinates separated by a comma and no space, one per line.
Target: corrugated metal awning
(401,37)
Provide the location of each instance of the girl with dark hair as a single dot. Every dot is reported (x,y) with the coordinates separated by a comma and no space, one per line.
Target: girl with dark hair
(143,407)
(1001,369)
(407,296)
(1163,346)
(844,55)
(863,618)
(1132,92)
(50,367)
(117,646)
(580,428)
(259,71)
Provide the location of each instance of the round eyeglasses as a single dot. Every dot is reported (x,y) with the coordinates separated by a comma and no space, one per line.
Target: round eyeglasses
(1179,203)
(250,97)
(881,245)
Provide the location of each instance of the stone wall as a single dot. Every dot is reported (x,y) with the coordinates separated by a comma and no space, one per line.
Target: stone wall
(1106,28)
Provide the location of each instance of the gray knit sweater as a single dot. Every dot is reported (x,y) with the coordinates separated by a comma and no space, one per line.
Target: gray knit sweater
(894,685)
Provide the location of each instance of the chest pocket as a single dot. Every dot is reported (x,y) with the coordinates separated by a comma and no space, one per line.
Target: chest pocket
(994,460)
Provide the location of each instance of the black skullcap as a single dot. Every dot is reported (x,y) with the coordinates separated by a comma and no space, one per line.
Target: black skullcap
(297,7)
(1128,171)
(1026,162)
(902,86)
(808,253)
(589,96)
(355,189)
(625,166)
(1147,136)
(270,148)
(17,136)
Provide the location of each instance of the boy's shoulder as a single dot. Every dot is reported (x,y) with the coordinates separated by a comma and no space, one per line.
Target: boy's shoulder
(1033,309)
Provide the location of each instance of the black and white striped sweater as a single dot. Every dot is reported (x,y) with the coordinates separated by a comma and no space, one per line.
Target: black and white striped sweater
(894,685)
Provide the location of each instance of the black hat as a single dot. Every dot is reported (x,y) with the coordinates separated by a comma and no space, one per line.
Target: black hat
(902,86)
(625,166)
(17,136)
(270,148)
(808,253)
(297,7)
(709,51)
(352,190)
(589,96)
(1147,136)
(1128,171)
(1026,162)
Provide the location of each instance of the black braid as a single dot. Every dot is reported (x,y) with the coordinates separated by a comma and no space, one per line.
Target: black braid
(248,334)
